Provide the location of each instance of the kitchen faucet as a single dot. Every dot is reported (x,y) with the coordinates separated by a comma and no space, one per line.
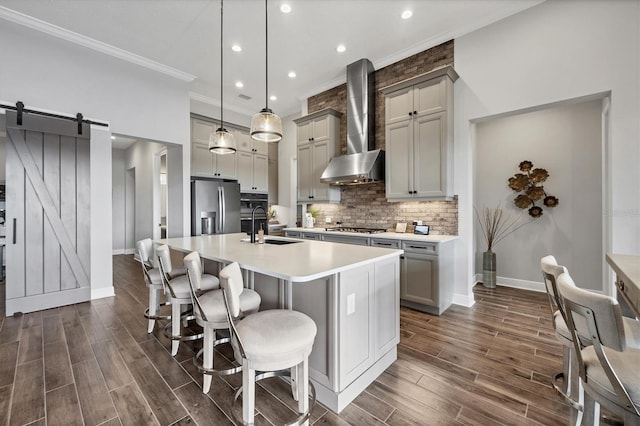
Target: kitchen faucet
(253,221)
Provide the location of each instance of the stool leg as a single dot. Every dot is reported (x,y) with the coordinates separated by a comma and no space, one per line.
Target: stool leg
(176,309)
(183,309)
(566,369)
(591,411)
(294,381)
(248,394)
(207,356)
(302,377)
(154,300)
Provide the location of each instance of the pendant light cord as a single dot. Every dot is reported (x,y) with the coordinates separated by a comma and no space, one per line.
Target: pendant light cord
(266,55)
(221,65)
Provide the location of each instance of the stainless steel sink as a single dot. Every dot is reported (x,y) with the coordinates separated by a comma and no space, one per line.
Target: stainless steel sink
(275,241)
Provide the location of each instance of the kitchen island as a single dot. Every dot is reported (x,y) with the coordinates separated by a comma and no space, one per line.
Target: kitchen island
(352,294)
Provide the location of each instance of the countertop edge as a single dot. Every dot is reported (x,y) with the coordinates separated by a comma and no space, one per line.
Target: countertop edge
(384,235)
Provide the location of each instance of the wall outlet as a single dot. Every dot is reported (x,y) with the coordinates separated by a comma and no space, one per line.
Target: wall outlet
(351,303)
(327,219)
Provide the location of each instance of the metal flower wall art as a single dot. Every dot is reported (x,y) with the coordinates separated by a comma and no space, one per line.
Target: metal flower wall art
(529,184)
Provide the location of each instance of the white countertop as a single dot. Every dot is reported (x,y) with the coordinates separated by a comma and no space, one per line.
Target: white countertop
(303,261)
(383,235)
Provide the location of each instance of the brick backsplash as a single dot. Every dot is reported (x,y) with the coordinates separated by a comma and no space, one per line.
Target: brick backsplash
(366,205)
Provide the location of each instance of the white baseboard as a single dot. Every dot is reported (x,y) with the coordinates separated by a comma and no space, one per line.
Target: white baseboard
(123,251)
(464,300)
(516,283)
(99,293)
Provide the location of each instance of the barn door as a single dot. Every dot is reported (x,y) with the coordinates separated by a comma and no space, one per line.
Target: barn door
(47,213)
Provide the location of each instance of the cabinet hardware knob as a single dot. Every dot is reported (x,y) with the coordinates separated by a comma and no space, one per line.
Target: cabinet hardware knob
(410,113)
(415,112)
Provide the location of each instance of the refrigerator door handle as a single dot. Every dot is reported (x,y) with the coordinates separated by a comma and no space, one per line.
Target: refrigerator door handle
(222,208)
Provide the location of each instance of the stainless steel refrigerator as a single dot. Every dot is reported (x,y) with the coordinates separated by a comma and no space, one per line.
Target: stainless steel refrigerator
(215,207)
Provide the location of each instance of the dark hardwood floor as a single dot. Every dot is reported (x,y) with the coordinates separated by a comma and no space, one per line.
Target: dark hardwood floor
(94,363)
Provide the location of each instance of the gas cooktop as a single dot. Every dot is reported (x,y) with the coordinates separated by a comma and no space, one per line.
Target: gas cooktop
(356,229)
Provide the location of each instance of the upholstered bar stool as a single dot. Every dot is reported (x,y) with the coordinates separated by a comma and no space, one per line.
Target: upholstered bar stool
(569,376)
(609,369)
(272,343)
(179,293)
(211,314)
(153,279)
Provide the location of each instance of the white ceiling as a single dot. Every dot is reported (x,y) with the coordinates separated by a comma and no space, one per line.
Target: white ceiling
(182,38)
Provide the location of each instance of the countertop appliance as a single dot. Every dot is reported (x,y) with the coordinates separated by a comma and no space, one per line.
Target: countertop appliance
(215,207)
(356,229)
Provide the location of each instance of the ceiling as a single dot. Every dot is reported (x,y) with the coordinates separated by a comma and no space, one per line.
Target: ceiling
(181,38)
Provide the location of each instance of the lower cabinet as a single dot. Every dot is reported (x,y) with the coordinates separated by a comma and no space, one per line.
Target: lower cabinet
(418,278)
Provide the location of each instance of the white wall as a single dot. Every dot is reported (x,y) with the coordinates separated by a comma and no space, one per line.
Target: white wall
(118,200)
(51,74)
(566,141)
(555,51)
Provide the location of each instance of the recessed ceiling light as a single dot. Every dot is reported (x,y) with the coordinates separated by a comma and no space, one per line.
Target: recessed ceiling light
(292,74)
(113,138)
(406,14)
(285,8)
(239,84)
(341,48)
(273,98)
(236,48)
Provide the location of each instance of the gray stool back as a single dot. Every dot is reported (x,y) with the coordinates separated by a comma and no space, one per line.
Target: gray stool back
(153,279)
(609,370)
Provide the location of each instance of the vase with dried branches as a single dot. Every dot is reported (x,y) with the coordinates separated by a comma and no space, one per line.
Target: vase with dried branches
(495,226)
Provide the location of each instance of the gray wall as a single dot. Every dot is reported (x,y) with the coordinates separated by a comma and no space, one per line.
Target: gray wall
(566,141)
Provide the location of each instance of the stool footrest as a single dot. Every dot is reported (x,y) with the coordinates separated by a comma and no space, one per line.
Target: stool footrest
(189,337)
(554,382)
(158,317)
(303,417)
(213,371)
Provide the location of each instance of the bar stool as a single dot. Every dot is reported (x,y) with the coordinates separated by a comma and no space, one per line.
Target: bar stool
(179,293)
(154,283)
(270,342)
(550,271)
(609,369)
(211,314)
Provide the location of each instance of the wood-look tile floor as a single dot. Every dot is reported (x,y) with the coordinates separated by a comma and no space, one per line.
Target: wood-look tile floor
(94,363)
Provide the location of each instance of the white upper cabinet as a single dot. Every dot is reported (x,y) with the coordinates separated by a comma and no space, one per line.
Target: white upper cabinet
(203,162)
(318,142)
(253,163)
(419,137)
(245,143)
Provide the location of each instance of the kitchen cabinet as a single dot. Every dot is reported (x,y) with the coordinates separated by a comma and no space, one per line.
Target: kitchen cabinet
(273,173)
(203,162)
(426,267)
(419,137)
(253,163)
(425,283)
(317,143)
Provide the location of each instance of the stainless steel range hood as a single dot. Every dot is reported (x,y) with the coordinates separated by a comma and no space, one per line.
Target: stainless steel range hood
(363,163)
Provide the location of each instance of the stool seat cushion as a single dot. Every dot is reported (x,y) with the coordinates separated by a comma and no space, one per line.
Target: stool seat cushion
(176,272)
(182,289)
(276,339)
(155,277)
(625,364)
(631,330)
(212,304)
(209,282)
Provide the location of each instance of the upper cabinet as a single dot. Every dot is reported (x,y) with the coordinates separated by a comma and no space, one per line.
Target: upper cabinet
(203,162)
(419,136)
(318,142)
(253,163)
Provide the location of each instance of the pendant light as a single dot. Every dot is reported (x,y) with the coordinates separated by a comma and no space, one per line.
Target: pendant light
(222,142)
(265,125)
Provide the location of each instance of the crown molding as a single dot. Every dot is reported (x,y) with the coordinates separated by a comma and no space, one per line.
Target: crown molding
(107,49)
(216,103)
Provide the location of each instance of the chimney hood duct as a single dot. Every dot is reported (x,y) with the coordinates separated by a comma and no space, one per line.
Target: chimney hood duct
(363,163)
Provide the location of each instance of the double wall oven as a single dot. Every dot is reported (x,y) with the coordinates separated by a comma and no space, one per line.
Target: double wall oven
(247,203)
